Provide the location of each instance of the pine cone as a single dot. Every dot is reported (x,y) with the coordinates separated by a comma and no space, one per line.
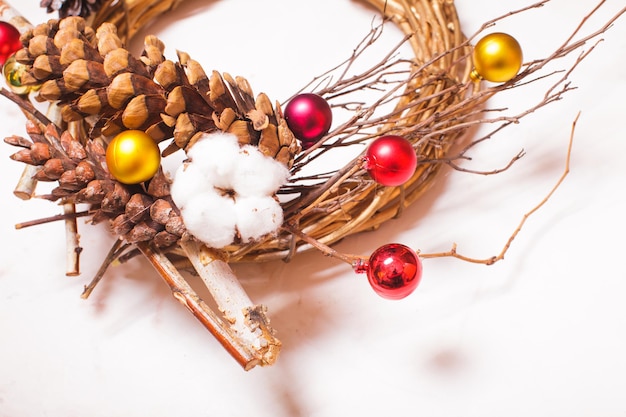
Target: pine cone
(98,82)
(93,76)
(65,8)
(137,213)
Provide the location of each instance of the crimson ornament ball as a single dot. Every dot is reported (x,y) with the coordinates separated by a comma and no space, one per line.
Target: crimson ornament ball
(394,271)
(309,117)
(390,160)
(9,41)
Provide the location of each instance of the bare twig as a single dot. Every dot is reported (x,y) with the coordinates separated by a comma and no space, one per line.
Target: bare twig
(51,219)
(72,241)
(116,250)
(491,260)
(243,352)
(248,322)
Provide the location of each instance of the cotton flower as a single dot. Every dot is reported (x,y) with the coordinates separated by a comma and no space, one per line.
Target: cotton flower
(226,191)
(257,216)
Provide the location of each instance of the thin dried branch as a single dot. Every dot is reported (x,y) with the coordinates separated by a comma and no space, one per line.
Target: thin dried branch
(355,260)
(58,217)
(114,253)
(491,260)
(72,241)
(184,293)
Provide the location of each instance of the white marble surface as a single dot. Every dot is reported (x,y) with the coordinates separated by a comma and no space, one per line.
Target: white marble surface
(541,333)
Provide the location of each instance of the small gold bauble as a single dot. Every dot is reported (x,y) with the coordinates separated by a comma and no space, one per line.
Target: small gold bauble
(13,72)
(497,57)
(133,157)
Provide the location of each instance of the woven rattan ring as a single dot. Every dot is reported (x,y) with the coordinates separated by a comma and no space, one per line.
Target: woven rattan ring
(349,201)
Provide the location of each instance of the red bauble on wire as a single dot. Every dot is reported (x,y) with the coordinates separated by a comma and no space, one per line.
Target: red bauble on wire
(390,160)
(9,41)
(393,270)
(309,117)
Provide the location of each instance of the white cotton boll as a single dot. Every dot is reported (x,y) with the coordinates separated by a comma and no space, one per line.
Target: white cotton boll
(216,154)
(257,216)
(217,161)
(211,218)
(188,182)
(257,174)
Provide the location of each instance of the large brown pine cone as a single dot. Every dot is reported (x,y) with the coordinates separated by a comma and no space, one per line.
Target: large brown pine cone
(99,83)
(95,78)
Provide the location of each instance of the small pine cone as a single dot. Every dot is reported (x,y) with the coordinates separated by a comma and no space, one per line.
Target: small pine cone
(135,213)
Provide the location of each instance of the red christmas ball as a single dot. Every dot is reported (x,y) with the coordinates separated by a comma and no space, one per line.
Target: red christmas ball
(394,271)
(9,41)
(390,160)
(309,117)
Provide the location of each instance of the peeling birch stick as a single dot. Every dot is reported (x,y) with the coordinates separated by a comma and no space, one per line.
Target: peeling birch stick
(72,238)
(248,321)
(11,15)
(71,241)
(26,185)
(183,292)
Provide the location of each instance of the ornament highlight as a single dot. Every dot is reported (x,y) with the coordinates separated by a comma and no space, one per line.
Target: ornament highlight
(133,157)
(497,58)
(309,117)
(13,71)
(394,271)
(9,41)
(390,160)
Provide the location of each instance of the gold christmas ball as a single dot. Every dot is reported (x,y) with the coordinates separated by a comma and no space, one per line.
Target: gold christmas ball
(133,157)
(497,57)
(13,72)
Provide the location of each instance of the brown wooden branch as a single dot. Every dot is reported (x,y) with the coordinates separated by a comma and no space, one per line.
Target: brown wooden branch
(493,259)
(185,294)
(114,253)
(355,260)
(25,105)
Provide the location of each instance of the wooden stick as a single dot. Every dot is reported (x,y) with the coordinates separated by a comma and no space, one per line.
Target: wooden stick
(248,322)
(72,241)
(113,254)
(491,260)
(26,185)
(183,292)
(51,219)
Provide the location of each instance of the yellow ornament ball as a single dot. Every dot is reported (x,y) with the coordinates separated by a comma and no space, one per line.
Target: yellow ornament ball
(497,58)
(13,71)
(133,157)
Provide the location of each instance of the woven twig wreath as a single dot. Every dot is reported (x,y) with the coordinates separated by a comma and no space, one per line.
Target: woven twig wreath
(99,90)
(348,201)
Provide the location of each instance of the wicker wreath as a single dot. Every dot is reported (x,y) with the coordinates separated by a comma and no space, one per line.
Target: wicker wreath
(98,90)
(349,201)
